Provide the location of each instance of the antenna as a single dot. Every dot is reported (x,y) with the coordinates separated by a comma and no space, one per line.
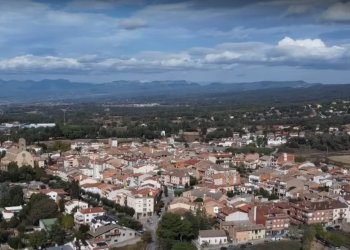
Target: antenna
(64,116)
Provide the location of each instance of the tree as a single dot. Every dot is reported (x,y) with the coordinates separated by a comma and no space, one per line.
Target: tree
(324,169)
(4,235)
(198,199)
(14,222)
(273,197)
(193,180)
(74,190)
(57,234)
(15,243)
(60,146)
(2,154)
(67,221)
(37,239)
(130,222)
(82,232)
(229,194)
(39,207)
(174,228)
(183,246)
(61,205)
(166,191)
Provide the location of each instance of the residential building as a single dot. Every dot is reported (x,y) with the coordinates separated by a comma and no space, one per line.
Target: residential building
(111,234)
(243,231)
(84,216)
(212,237)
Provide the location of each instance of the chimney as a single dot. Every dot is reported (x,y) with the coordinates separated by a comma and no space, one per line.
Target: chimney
(285,157)
(254,213)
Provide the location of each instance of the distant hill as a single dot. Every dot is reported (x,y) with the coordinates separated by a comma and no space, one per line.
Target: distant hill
(171,92)
(59,90)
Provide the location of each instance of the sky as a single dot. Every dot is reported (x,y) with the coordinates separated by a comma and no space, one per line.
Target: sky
(197,40)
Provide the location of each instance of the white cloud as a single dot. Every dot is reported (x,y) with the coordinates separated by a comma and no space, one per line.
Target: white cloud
(39,63)
(309,49)
(307,53)
(338,12)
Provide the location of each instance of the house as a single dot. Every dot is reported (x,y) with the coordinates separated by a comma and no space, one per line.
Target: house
(180,204)
(232,214)
(177,178)
(273,218)
(285,158)
(9,212)
(251,161)
(212,237)
(212,207)
(243,231)
(84,216)
(191,136)
(111,234)
(326,212)
(103,220)
(142,201)
(72,204)
(144,168)
(221,158)
(54,194)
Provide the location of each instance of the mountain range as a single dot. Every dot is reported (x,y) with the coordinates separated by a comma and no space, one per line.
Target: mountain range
(161,91)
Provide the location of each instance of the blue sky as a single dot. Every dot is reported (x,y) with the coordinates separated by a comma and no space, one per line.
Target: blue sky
(199,40)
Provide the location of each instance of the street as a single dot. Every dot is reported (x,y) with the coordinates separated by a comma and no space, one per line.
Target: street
(152,223)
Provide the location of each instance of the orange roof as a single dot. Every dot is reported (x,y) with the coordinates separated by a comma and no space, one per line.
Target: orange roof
(245,208)
(92,210)
(91,185)
(59,191)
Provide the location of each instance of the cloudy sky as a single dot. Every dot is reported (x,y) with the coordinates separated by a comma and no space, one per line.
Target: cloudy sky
(198,40)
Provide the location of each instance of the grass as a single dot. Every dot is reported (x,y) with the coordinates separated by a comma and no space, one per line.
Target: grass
(138,246)
(344,236)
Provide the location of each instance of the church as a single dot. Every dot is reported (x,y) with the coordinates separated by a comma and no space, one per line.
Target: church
(17,153)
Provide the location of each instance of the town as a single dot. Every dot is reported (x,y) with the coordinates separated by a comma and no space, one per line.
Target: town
(175,125)
(174,192)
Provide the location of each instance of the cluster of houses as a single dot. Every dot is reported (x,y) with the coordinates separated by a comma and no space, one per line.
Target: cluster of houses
(135,175)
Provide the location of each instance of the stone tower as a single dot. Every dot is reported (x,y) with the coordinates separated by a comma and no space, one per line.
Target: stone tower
(22,146)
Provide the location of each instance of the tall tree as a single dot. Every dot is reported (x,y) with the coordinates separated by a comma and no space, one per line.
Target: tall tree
(37,239)
(39,207)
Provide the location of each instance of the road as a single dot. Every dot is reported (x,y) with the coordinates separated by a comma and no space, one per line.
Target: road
(152,223)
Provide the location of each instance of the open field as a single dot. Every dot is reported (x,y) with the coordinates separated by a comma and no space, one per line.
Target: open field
(285,245)
(342,159)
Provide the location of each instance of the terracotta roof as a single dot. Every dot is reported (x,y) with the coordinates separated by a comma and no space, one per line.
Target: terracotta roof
(212,233)
(58,191)
(92,210)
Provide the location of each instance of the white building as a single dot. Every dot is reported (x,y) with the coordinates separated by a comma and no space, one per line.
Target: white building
(53,194)
(142,201)
(212,237)
(9,212)
(144,169)
(84,216)
(70,205)
(274,142)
